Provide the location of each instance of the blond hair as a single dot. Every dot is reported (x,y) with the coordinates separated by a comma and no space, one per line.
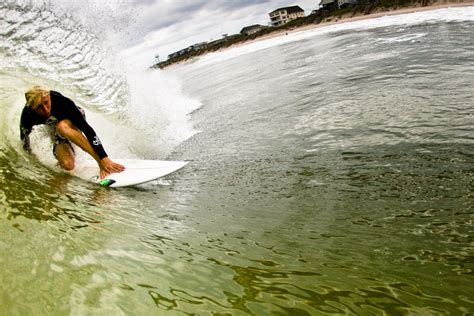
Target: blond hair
(35,96)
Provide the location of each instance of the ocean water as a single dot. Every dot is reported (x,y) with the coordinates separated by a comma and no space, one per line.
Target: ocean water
(331,172)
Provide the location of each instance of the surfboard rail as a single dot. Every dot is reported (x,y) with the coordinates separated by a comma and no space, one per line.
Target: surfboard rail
(136,171)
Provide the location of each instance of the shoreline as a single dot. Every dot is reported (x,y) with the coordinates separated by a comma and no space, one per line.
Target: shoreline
(333,21)
(343,19)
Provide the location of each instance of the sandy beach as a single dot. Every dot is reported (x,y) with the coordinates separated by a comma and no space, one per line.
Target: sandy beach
(347,18)
(344,19)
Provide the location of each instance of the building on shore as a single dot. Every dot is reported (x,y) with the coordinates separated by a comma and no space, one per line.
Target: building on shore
(334,4)
(328,4)
(284,15)
(252,29)
(187,50)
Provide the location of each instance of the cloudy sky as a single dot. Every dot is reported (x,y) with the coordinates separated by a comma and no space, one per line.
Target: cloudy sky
(165,26)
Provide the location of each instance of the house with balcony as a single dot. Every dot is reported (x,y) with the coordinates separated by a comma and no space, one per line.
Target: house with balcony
(282,16)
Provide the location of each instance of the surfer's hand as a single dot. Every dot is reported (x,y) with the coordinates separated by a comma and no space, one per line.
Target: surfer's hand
(107,167)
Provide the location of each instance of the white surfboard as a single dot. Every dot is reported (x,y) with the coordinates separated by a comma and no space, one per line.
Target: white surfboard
(136,171)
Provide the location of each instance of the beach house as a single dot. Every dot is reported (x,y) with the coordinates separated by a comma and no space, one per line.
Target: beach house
(284,15)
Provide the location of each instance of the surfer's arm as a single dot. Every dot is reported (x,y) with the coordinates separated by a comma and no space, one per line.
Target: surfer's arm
(72,133)
(25,138)
(93,139)
(26,126)
(80,122)
(95,148)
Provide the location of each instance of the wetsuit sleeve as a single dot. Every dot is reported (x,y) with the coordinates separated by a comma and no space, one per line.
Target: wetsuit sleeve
(26,126)
(80,122)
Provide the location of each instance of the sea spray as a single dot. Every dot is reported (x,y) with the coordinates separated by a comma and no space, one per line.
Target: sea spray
(160,111)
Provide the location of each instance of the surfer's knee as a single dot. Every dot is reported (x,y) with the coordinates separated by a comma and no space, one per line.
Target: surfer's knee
(65,155)
(64,127)
(66,159)
(68,164)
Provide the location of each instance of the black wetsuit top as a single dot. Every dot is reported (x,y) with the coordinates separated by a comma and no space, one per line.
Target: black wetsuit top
(61,108)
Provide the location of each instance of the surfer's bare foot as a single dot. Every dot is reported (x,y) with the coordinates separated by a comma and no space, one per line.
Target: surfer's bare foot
(107,167)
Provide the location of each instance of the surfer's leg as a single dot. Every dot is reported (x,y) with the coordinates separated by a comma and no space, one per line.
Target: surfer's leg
(64,152)
(67,130)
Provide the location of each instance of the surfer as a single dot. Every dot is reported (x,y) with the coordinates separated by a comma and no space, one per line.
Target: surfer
(49,107)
